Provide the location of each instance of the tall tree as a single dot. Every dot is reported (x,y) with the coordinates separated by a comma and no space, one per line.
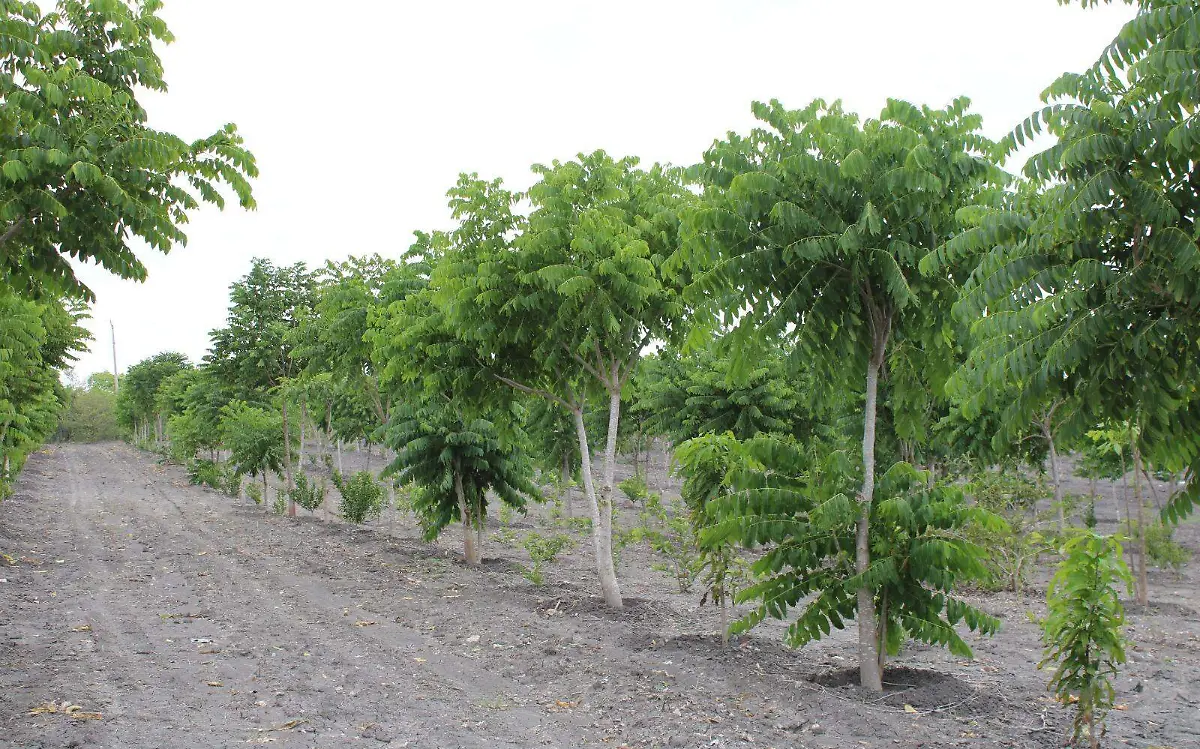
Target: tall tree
(562,304)
(253,353)
(812,227)
(81,172)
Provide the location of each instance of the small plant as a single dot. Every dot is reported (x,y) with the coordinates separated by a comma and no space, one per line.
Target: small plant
(1082,630)
(673,537)
(542,550)
(254,492)
(229,482)
(308,494)
(203,472)
(634,488)
(1014,545)
(279,506)
(362,496)
(506,514)
(1163,550)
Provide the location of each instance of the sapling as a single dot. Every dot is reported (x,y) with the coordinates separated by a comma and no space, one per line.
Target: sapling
(543,549)
(362,496)
(1083,629)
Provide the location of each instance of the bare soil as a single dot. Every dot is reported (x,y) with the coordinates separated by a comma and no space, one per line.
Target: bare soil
(150,613)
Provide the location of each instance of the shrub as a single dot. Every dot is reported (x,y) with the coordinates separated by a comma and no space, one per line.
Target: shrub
(544,549)
(279,506)
(1013,546)
(634,488)
(1163,550)
(672,536)
(308,494)
(362,496)
(254,492)
(1082,630)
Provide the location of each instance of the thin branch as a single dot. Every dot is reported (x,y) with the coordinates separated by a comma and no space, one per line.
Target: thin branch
(12,230)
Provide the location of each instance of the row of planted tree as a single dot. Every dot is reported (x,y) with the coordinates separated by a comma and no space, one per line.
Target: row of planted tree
(827,315)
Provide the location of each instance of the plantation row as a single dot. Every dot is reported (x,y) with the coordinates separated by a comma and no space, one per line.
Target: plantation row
(842,325)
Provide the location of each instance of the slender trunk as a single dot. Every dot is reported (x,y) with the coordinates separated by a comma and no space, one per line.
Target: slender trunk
(564,480)
(1054,479)
(1143,592)
(339,456)
(392,504)
(469,551)
(883,614)
(303,421)
(601,541)
(870,675)
(287,461)
(1153,489)
(1128,514)
(724,619)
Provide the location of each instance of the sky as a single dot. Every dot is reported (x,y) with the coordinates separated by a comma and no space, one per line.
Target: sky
(362,113)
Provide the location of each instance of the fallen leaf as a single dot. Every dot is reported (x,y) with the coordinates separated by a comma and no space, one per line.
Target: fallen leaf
(911,709)
(214,683)
(1120,707)
(291,724)
(419,660)
(82,628)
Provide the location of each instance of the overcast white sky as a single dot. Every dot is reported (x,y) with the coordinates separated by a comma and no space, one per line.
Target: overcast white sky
(362,114)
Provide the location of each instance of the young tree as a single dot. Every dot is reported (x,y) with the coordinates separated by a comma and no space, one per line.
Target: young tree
(82,173)
(561,305)
(811,228)
(253,354)
(254,437)
(137,400)
(1082,629)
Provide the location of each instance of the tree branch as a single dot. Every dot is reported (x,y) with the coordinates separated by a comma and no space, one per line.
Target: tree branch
(12,230)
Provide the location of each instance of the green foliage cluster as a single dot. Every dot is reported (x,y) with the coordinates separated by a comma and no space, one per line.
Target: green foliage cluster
(1083,628)
(362,496)
(308,493)
(222,477)
(1014,546)
(543,550)
(90,414)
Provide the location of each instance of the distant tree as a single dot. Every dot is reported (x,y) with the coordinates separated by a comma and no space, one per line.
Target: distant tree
(101,382)
(253,353)
(82,174)
(254,437)
(137,399)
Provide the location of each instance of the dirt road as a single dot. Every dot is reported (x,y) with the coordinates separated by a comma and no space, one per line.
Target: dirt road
(143,612)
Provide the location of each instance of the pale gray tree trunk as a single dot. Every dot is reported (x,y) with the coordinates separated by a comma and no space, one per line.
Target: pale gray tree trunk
(470,553)
(870,673)
(601,541)
(339,457)
(564,480)
(1054,477)
(287,460)
(1143,591)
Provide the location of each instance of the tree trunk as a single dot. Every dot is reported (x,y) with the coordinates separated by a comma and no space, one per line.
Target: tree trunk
(1153,489)
(1054,479)
(1143,591)
(469,551)
(601,541)
(1128,514)
(339,457)
(870,675)
(287,461)
(564,480)
(303,420)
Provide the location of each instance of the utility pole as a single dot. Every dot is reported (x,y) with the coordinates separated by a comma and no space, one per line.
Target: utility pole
(116,377)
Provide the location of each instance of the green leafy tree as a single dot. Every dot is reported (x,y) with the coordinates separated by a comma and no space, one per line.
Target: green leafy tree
(253,354)
(1082,629)
(90,414)
(1094,281)
(137,400)
(811,228)
(81,172)
(560,305)
(254,438)
(798,506)
(38,340)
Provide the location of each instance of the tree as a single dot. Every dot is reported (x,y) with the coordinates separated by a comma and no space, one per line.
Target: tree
(561,305)
(82,173)
(90,413)
(1082,629)
(137,400)
(253,354)
(38,340)
(811,227)
(453,441)
(1095,280)
(254,437)
(796,504)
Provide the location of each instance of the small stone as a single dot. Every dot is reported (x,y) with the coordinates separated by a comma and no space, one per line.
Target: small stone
(473,639)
